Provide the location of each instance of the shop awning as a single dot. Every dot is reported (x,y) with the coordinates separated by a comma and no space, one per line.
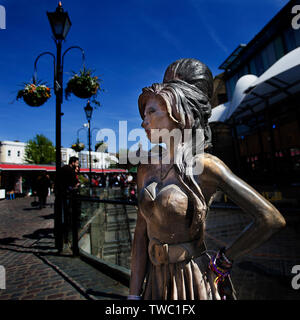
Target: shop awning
(25,167)
(218,114)
(239,93)
(35,167)
(280,81)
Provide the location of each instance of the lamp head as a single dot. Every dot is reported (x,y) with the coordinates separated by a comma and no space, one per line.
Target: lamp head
(60,22)
(88,111)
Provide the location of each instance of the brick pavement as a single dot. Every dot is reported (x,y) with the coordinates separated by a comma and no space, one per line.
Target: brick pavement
(34,271)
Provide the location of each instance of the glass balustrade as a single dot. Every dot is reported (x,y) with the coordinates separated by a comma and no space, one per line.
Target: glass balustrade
(106,224)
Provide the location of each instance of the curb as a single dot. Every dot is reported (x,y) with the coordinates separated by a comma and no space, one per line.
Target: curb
(116,272)
(70,280)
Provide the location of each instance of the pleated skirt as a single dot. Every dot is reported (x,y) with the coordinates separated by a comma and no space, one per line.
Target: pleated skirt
(187,280)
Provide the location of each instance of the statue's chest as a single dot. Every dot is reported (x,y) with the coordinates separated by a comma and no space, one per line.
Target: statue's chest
(164,203)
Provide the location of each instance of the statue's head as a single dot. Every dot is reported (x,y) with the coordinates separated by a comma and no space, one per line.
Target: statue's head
(193,72)
(182,101)
(185,93)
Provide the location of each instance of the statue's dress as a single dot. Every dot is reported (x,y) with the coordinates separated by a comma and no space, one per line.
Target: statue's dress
(176,271)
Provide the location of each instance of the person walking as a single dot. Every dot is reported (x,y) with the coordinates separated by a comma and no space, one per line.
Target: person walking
(42,188)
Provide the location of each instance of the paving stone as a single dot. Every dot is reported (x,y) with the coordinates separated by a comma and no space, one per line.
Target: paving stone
(24,232)
(263,274)
(55,296)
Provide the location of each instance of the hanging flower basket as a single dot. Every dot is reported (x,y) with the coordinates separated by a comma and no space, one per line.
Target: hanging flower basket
(83,85)
(78,146)
(34,95)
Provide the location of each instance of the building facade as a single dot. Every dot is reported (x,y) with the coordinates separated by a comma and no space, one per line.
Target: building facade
(19,177)
(12,152)
(274,41)
(260,121)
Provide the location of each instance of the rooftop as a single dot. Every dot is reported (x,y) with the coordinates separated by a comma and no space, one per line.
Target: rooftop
(275,25)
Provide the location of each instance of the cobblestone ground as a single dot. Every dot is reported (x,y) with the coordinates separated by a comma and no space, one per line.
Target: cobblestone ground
(266,272)
(34,271)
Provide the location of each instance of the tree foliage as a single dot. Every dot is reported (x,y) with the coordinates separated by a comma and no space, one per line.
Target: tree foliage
(40,150)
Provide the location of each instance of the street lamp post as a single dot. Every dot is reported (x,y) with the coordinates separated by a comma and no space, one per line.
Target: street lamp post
(101,162)
(60,24)
(89,135)
(88,112)
(82,128)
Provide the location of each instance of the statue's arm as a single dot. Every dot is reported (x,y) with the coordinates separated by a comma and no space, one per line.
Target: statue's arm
(139,254)
(266,218)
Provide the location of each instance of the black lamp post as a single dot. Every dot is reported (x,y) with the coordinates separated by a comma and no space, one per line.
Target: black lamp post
(102,160)
(60,24)
(88,109)
(90,134)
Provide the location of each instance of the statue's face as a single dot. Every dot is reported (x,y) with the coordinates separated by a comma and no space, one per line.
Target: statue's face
(156,117)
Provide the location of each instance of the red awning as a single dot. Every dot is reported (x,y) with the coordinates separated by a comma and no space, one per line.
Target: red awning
(26,167)
(35,167)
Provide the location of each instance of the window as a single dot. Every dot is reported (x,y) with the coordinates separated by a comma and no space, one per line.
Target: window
(243,71)
(253,67)
(278,46)
(9,153)
(259,64)
(18,153)
(228,90)
(269,54)
(230,85)
(265,59)
(297,37)
(289,39)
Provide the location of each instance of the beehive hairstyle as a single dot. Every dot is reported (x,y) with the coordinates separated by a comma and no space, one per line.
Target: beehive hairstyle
(196,80)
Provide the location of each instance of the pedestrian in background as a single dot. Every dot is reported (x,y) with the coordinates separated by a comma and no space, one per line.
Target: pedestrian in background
(69,184)
(42,188)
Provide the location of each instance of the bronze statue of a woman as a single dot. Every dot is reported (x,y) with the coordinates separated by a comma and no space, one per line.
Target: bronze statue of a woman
(168,248)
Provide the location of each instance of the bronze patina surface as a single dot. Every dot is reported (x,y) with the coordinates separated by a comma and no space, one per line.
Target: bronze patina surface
(168,249)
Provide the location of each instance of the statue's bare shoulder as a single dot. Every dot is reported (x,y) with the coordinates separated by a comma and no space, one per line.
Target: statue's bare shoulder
(213,170)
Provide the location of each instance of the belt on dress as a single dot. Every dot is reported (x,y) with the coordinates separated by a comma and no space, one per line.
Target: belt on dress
(163,253)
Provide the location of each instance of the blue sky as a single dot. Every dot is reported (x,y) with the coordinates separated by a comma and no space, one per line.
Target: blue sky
(129,43)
